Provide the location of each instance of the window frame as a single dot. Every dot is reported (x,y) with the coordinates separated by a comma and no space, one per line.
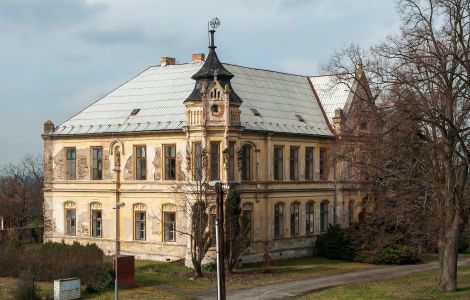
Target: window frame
(144,222)
(140,160)
(197,161)
(67,160)
(214,159)
(246,170)
(93,222)
(68,225)
(295,219)
(278,163)
(168,168)
(294,163)
(279,220)
(323,161)
(310,218)
(309,164)
(324,214)
(99,163)
(172,223)
(231,161)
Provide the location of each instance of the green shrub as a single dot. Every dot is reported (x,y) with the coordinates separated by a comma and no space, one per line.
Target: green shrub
(333,244)
(209,267)
(390,255)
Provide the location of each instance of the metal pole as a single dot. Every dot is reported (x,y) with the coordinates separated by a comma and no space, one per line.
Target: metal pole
(220,241)
(116,282)
(218,259)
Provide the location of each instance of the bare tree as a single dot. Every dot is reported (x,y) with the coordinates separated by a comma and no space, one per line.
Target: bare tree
(421,79)
(21,195)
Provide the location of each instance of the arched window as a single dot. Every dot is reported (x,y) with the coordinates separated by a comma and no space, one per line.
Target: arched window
(247,217)
(96,219)
(140,222)
(309,217)
(246,162)
(279,220)
(351,211)
(294,219)
(70,210)
(324,216)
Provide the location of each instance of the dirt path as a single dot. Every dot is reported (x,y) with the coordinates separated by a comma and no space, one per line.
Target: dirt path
(297,288)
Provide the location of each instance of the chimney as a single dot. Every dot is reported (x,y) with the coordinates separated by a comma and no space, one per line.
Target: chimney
(48,127)
(164,61)
(198,57)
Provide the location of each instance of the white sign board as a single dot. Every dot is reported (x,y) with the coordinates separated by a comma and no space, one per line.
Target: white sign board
(66,289)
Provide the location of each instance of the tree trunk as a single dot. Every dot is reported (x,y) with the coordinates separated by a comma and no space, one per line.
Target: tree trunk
(448,255)
(197,268)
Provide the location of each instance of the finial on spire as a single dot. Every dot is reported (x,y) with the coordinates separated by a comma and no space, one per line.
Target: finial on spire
(214,24)
(359,64)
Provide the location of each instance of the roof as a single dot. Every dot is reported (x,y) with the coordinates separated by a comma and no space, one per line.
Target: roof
(159,93)
(334,93)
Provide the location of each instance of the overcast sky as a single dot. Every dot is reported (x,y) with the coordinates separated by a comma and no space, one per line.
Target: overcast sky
(58,56)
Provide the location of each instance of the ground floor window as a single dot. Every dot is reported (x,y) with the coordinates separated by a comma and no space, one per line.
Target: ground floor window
(309,217)
(71,217)
(294,219)
(279,220)
(324,216)
(96,223)
(169,226)
(140,222)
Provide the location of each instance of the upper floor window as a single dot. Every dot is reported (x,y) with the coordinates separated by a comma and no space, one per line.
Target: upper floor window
(215,160)
(279,220)
(140,162)
(169,224)
(170,162)
(294,163)
(97,163)
(309,217)
(309,163)
(323,164)
(246,162)
(71,163)
(70,218)
(197,159)
(231,161)
(278,162)
(324,216)
(294,219)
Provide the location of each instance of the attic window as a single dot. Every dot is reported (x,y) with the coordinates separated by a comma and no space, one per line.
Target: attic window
(255,112)
(135,111)
(300,118)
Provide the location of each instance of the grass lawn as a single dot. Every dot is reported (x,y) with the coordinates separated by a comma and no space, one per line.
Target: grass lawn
(415,286)
(159,280)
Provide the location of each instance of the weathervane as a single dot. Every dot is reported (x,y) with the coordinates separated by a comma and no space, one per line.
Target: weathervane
(214,24)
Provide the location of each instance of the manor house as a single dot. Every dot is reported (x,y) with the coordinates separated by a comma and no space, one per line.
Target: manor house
(269,135)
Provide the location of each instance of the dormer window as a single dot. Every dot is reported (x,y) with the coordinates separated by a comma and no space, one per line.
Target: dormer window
(255,112)
(135,111)
(300,118)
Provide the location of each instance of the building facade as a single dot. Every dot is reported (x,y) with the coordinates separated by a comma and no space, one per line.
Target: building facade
(265,133)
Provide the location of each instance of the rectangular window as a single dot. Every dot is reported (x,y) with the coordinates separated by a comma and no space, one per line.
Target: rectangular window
(140,162)
(71,163)
(139,219)
(170,162)
(278,162)
(96,223)
(197,157)
(212,227)
(294,163)
(71,218)
(231,161)
(309,163)
(294,219)
(215,158)
(323,164)
(246,222)
(309,209)
(97,163)
(278,220)
(169,226)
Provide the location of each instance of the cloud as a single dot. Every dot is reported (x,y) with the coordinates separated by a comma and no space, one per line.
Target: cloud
(46,14)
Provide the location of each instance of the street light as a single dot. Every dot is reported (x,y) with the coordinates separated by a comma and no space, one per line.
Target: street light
(219,237)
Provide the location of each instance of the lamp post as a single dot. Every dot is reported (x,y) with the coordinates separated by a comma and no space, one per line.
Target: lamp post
(220,238)
(117,169)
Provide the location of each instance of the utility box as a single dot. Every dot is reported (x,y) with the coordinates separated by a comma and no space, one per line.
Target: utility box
(126,264)
(66,289)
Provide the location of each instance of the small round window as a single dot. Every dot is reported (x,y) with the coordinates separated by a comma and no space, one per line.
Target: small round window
(215,108)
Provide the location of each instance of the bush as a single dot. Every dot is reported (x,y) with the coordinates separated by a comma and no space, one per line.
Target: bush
(390,255)
(52,261)
(209,267)
(333,244)
(26,289)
